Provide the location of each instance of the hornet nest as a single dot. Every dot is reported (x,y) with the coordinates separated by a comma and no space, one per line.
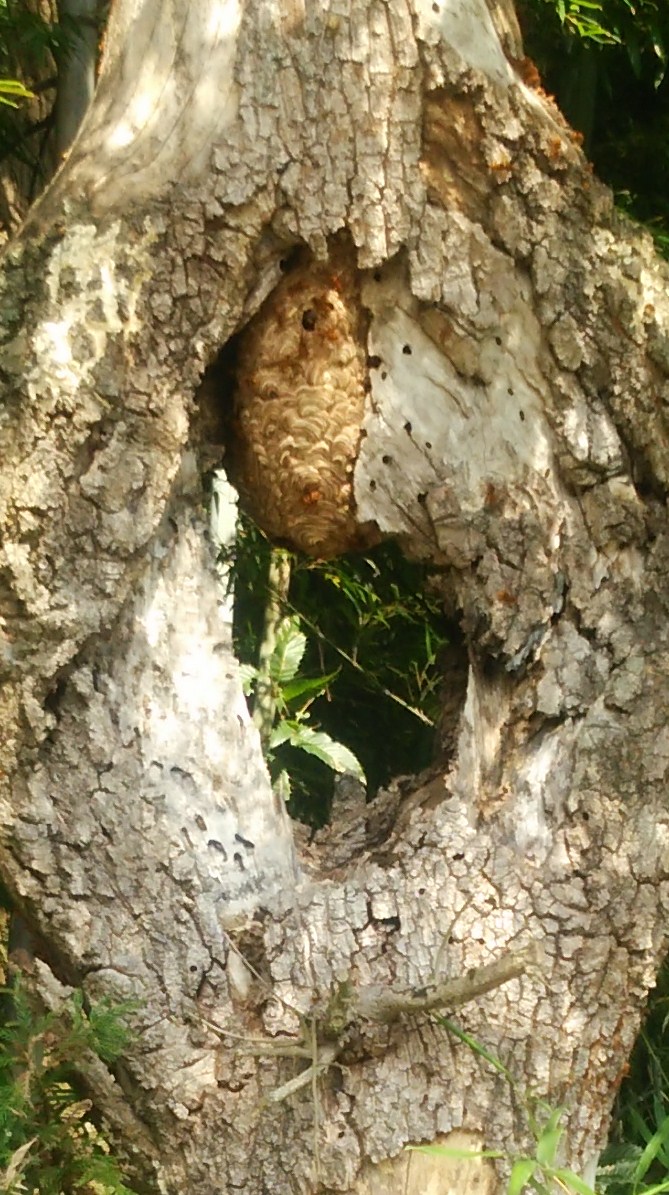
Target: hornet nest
(301,387)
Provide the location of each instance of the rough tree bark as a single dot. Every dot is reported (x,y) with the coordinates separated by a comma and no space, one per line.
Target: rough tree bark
(515,434)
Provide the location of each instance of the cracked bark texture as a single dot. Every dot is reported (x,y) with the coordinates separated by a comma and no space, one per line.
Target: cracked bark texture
(515,434)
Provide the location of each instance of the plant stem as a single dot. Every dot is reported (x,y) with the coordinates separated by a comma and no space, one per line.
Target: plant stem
(278,581)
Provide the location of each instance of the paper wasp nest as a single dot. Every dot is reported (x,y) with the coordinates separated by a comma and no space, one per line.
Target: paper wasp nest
(301,384)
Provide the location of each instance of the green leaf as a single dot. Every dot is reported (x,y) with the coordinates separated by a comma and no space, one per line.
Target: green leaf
(521,1172)
(477,1047)
(108,1027)
(281,733)
(451,1152)
(318,743)
(248,674)
(13,87)
(288,651)
(652,1149)
(308,687)
(549,1139)
(573,1182)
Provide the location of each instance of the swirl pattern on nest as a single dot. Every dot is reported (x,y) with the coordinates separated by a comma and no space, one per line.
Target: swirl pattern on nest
(299,404)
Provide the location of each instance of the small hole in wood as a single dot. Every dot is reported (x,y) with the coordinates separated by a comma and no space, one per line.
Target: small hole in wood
(292,259)
(407,427)
(384,375)
(422,498)
(373,362)
(387,460)
(428,445)
(522,416)
(407,350)
(309,319)
(372,485)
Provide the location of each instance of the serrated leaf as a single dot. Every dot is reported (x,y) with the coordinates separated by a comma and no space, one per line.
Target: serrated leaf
(281,733)
(521,1172)
(248,675)
(316,742)
(288,652)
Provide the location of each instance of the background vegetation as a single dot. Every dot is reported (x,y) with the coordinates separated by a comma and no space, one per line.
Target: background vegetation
(369,672)
(607,64)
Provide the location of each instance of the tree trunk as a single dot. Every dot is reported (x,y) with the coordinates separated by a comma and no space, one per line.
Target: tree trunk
(505,331)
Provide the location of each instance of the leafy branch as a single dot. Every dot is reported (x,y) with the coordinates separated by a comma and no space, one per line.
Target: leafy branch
(282,699)
(47,1140)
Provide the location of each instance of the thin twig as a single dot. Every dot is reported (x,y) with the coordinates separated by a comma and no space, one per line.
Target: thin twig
(384,1005)
(326,1056)
(315,1096)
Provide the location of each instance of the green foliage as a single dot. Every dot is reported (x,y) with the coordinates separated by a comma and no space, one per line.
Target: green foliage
(30,46)
(606,63)
(10,88)
(292,696)
(27,44)
(47,1143)
(356,663)
(538,1171)
(636,1161)
(640,27)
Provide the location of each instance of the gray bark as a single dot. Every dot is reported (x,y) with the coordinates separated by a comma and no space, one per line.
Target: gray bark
(515,435)
(76,69)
